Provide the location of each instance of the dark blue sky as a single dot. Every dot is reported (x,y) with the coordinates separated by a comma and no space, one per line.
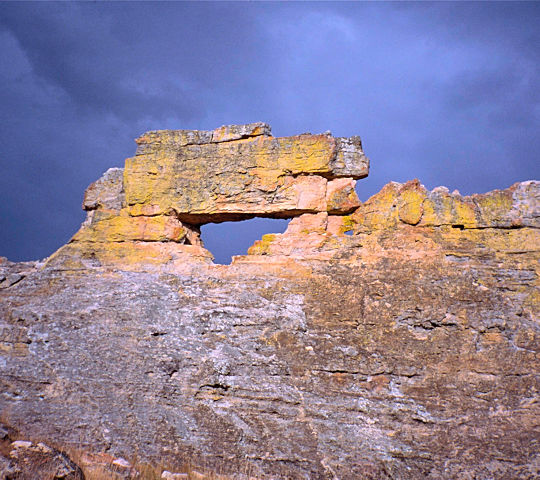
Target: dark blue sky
(446,92)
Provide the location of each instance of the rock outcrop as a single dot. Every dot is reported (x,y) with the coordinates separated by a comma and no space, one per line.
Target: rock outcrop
(149,213)
(394,339)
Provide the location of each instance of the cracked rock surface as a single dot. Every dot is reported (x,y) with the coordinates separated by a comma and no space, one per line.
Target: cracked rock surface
(405,350)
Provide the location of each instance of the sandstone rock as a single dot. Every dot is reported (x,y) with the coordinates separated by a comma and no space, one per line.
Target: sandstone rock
(106,193)
(105,227)
(341,196)
(173,139)
(136,255)
(346,162)
(411,203)
(11,279)
(258,175)
(180,179)
(406,350)
(226,133)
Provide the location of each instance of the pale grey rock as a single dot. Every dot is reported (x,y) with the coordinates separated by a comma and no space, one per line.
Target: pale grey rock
(350,160)
(11,279)
(107,192)
(166,475)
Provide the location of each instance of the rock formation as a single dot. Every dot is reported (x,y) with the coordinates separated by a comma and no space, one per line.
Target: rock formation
(150,212)
(395,339)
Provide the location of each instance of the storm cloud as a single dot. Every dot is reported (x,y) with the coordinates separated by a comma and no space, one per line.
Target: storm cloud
(448,93)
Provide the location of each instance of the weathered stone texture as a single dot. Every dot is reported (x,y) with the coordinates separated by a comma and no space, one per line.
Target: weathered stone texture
(148,214)
(405,350)
(205,179)
(106,193)
(515,207)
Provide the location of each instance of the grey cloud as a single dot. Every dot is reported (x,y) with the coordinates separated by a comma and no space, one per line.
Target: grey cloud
(444,92)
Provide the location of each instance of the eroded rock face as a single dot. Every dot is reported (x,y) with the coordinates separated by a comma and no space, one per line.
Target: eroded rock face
(395,339)
(147,215)
(217,176)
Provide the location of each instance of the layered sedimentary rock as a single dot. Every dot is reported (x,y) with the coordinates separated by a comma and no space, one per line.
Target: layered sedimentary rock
(111,236)
(393,339)
(148,214)
(238,172)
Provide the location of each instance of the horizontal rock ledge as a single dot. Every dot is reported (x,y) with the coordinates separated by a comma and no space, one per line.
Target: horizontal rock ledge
(203,179)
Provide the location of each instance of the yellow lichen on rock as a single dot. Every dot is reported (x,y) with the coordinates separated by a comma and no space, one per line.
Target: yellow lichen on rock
(341,196)
(149,213)
(261,247)
(443,208)
(379,211)
(303,154)
(411,202)
(408,220)
(494,208)
(130,256)
(229,176)
(106,227)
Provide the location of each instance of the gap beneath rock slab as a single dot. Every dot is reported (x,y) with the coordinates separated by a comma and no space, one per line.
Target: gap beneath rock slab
(224,240)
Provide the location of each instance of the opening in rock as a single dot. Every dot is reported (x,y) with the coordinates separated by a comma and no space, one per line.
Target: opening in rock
(234,238)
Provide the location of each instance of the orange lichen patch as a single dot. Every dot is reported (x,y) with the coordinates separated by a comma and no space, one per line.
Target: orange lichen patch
(411,202)
(121,228)
(135,256)
(341,196)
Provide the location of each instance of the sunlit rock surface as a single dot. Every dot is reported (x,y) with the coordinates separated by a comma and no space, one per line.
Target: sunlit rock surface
(239,172)
(393,339)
